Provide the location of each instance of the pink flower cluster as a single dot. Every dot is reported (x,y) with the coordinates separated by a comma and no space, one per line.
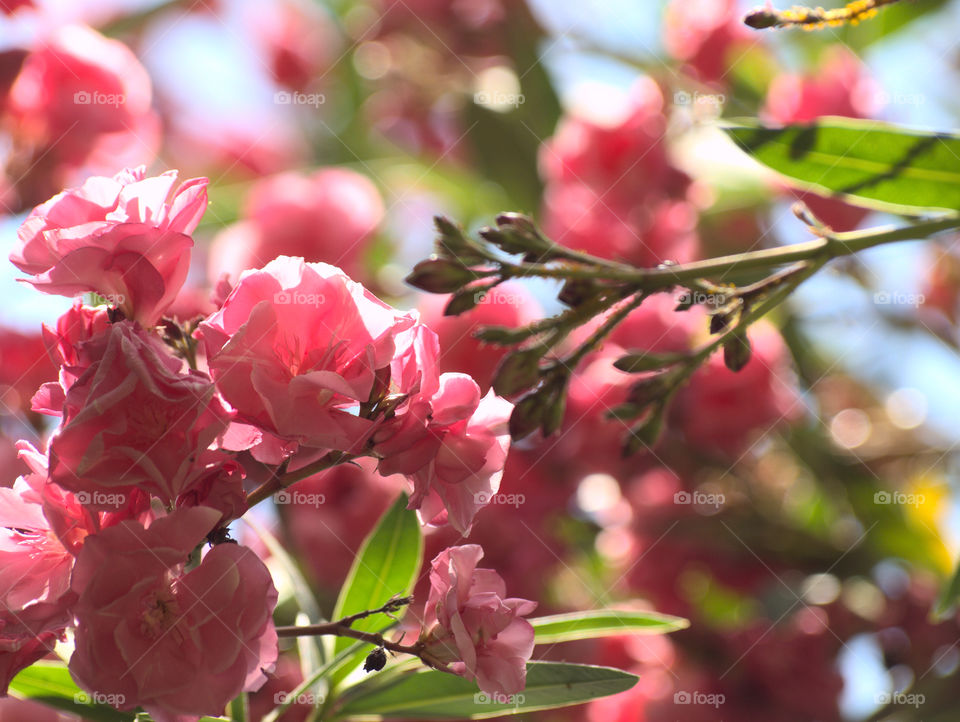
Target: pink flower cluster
(612,190)
(298,363)
(471,626)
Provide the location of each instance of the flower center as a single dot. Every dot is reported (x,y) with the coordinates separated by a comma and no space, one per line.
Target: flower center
(160,612)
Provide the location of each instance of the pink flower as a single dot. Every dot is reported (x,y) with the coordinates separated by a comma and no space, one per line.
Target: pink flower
(611,189)
(295,349)
(34,565)
(134,419)
(35,569)
(180,644)
(723,411)
(708,35)
(83,101)
(24,366)
(452,444)
(327,216)
(510,305)
(28,635)
(470,627)
(125,238)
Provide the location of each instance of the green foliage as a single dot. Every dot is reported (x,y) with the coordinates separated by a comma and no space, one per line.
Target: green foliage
(869,163)
(387,565)
(436,695)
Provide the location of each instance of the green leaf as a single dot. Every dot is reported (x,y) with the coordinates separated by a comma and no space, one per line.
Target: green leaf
(865,162)
(602,623)
(293,579)
(50,683)
(947,602)
(386,565)
(430,694)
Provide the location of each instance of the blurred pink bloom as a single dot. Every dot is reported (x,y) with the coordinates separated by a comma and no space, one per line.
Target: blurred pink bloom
(718,410)
(841,86)
(84,101)
(295,349)
(611,189)
(126,238)
(24,366)
(724,411)
(134,419)
(180,644)
(471,627)
(708,35)
(328,216)
(510,305)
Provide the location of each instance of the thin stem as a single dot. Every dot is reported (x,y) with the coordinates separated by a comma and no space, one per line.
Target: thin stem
(828,247)
(336,629)
(610,323)
(281,480)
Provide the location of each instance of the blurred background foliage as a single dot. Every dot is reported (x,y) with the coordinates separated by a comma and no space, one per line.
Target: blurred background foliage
(803,515)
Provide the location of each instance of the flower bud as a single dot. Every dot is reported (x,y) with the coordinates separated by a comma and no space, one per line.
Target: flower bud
(440,275)
(736,351)
(517,372)
(527,416)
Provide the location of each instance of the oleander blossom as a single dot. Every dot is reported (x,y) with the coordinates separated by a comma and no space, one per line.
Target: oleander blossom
(448,439)
(135,420)
(180,644)
(471,627)
(295,349)
(125,238)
